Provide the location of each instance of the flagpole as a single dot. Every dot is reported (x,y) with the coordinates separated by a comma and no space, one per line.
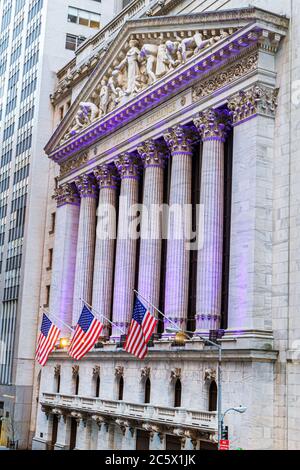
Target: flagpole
(102,316)
(155,308)
(58,319)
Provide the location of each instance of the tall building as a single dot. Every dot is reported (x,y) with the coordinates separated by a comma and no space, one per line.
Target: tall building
(37,37)
(191,104)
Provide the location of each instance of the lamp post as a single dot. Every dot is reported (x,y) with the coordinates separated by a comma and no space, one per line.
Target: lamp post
(219,389)
(240,409)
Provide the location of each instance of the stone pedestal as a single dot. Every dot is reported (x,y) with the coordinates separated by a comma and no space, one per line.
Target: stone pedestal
(85,245)
(105,243)
(125,264)
(64,255)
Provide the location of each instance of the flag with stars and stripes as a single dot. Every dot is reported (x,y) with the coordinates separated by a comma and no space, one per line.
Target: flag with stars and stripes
(140,331)
(49,334)
(87,332)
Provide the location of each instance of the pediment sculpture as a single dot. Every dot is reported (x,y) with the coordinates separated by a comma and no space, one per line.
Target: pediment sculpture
(141,64)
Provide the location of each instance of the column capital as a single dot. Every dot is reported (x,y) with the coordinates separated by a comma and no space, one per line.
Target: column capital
(179,139)
(258,99)
(106,176)
(153,153)
(128,166)
(66,194)
(86,186)
(213,124)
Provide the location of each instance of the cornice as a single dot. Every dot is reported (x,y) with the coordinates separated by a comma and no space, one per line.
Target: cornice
(196,69)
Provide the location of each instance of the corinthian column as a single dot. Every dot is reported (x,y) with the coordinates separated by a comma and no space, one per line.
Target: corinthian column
(64,254)
(178,255)
(86,243)
(212,126)
(126,245)
(105,242)
(153,155)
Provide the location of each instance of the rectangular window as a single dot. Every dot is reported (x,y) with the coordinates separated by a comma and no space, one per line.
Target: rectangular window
(46,304)
(72,42)
(83,17)
(50,259)
(52,226)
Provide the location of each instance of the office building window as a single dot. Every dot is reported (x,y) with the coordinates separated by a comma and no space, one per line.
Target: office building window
(72,42)
(83,17)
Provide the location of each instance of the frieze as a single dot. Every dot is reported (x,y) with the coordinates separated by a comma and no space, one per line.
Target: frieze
(73,164)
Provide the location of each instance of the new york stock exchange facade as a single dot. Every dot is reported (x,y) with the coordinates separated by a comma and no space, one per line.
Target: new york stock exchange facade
(178,110)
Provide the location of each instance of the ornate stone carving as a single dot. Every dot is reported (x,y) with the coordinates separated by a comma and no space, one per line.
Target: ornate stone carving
(145,372)
(152,153)
(106,176)
(152,429)
(78,416)
(225,77)
(73,164)
(57,369)
(99,420)
(176,374)
(96,371)
(119,371)
(143,63)
(123,425)
(178,139)
(212,125)
(66,194)
(259,99)
(210,374)
(128,166)
(75,371)
(86,186)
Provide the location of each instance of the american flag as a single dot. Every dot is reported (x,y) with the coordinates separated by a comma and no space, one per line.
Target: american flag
(87,332)
(140,331)
(48,336)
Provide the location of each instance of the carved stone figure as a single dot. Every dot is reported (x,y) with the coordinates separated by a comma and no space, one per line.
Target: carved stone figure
(149,53)
(114,89)
(161,59)
(103,98)
(86,114)
(131,62)
(173,57)
(194,43)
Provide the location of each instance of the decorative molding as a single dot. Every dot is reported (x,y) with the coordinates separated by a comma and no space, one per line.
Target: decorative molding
(145,372)
(75,371)
(66,194)
(176,374)
(153,153)
(57,369)
(128,166)
(96,371)
(225,76)
(119,371)
(73,164)
(179,139)
(86,186)
(106,176)
(210,375)
(213,125)
(257,100)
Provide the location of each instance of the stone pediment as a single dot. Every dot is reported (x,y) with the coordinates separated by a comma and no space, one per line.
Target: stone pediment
(149,59)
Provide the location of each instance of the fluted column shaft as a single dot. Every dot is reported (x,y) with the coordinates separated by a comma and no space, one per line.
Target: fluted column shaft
(126,246)
(212,126)
(153,155)
(105,243)
(178,255)
(64,254)
(86,244)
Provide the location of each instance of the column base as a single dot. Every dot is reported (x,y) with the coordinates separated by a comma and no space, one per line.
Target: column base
(40,444)
(246,338)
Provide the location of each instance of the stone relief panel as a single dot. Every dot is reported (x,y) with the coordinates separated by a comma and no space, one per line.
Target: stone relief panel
(141,63)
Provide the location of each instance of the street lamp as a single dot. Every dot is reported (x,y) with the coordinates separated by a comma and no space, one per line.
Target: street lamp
(240,409)
(219,389)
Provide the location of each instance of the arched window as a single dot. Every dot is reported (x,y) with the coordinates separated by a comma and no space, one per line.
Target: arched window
(177,399)
(121,388)
(213,395)
(58,383)
(147,390)
(97,386)
(77,384)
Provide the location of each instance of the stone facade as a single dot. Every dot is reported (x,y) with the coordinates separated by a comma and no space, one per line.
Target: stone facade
(232,105)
